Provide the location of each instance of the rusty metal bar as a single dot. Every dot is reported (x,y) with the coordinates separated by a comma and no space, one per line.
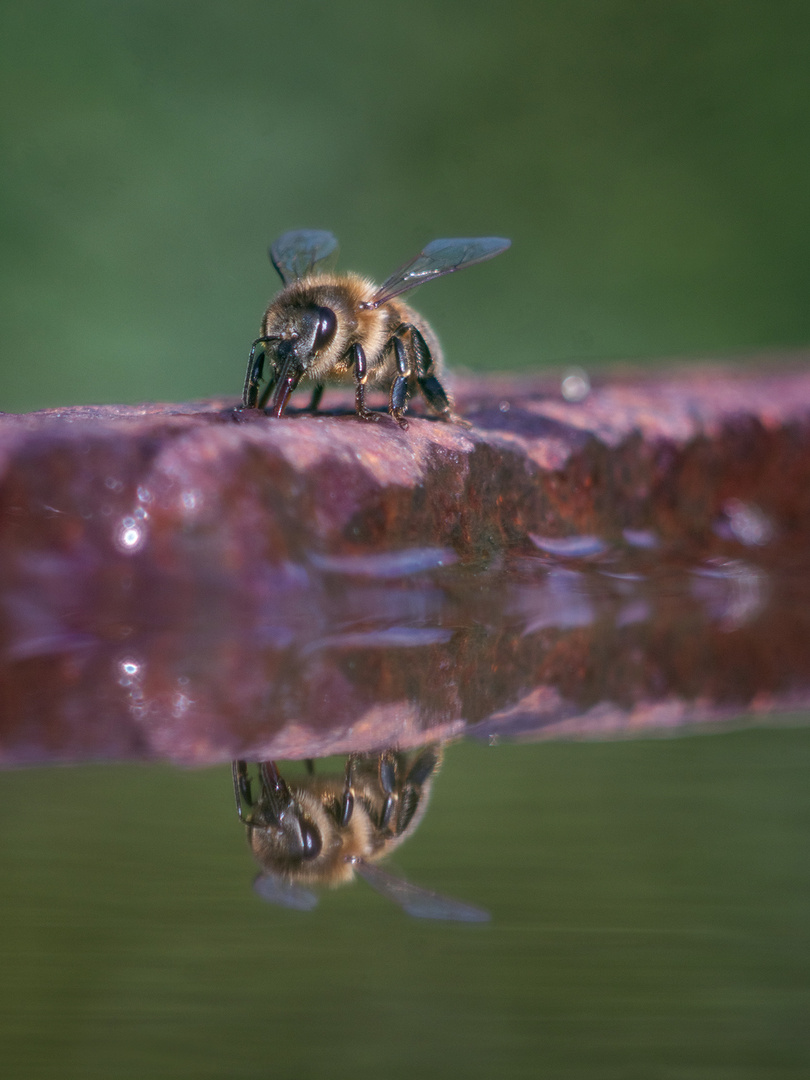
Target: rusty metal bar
(188,583)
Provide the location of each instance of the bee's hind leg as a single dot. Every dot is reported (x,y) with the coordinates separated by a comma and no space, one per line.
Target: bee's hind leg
(436,396)
(424,765)
(432,390)
(423,370)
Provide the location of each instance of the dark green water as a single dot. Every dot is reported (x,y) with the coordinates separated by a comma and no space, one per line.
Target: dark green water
(650,919)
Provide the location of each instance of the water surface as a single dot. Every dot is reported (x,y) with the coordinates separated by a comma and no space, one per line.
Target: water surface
(649,919)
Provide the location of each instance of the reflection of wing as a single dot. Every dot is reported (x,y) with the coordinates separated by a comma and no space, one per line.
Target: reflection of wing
(275,890)
(438,258)
(422,903)
(298,253)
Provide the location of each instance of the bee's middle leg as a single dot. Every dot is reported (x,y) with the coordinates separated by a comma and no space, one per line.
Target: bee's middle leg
(387,771)
(357,359)
(315,400)
(347,799)
(401,386)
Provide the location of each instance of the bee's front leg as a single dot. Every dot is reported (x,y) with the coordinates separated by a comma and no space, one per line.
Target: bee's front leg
(357,359)
(241,790)
(268,390)
(254,375)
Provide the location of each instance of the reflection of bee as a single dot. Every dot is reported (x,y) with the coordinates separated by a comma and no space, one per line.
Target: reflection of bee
(323,829)
(331,328)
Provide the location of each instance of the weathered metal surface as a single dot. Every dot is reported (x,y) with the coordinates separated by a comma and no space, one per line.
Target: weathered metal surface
(182,582)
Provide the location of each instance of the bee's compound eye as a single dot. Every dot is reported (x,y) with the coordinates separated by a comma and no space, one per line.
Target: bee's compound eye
(327,325)
(312,840)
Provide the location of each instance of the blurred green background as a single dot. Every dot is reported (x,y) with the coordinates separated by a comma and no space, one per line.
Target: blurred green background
(649,160)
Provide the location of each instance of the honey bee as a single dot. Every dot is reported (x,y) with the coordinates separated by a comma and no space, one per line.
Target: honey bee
(341,328)
(322,830)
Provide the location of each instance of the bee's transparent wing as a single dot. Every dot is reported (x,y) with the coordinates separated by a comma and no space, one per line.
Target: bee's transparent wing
(276,890)
(300,252)
(416,901)
(438,258)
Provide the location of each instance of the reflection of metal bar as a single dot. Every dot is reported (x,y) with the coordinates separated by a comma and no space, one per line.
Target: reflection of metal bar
(174,584)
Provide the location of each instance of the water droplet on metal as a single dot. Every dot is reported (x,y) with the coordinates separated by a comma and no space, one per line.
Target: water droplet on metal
(130,536)
(575,385)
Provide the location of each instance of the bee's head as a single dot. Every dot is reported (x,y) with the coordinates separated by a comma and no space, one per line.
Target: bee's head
(304,843)
(294,838)
(302,333)
(281,822)
(296,332)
